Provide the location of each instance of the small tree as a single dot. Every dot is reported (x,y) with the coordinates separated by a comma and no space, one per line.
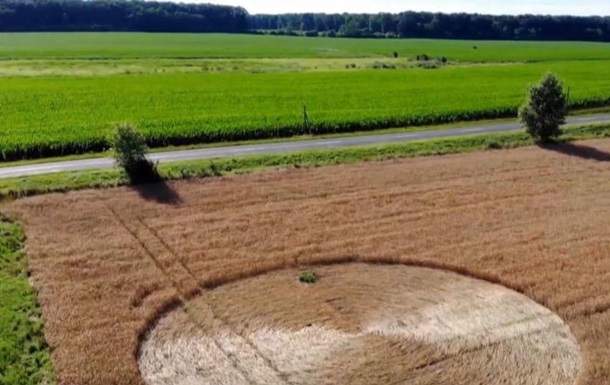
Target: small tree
(130,154)
(545,109)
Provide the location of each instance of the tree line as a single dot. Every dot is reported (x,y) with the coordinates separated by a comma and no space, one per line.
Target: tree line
(436,26)
(152,16)
(119,15)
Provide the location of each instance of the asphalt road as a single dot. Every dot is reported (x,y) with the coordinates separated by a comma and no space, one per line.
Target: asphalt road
(280,147)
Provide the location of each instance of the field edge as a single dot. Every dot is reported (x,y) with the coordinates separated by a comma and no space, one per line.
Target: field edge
(25,357)
(15,188)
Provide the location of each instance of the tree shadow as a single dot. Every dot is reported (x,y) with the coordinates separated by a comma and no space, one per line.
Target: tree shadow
(577,150)
(144,178)
(159,192)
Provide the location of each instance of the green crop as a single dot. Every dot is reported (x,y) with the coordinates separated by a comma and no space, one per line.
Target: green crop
(65,115)
(69,105)
(167,45)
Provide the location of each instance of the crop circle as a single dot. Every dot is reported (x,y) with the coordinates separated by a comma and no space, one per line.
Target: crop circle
(360,324)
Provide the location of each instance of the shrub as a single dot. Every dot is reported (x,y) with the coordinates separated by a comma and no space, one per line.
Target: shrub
(380,65)
(309,277)
(492,144)
(428,65)
(545,109)
(130,154)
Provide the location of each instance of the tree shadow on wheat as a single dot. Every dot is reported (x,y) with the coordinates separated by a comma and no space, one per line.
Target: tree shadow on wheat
(578,151)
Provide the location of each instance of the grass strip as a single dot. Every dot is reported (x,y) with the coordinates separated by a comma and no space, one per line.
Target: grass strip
(24,356)
(19,187)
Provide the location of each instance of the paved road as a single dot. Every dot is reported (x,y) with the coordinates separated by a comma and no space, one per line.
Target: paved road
(281,147)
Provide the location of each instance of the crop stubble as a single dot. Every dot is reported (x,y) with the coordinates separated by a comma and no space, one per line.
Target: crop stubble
(108,263)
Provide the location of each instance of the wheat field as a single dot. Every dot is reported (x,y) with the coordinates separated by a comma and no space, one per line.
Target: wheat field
(361,324)
(513,241)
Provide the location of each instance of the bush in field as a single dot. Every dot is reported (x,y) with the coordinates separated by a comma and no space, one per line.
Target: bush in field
(130,154)
(428,65)
(308,277)
(545,109)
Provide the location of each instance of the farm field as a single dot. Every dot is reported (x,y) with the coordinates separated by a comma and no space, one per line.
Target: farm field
(128,278)
(177,45)
(50,116)
(62,93)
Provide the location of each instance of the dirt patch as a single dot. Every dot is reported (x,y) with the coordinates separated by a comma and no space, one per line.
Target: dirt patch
(107,264)
(360,324)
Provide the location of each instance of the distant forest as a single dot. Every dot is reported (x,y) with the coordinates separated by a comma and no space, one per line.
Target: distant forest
(437,26)
(137,15)
(119,15)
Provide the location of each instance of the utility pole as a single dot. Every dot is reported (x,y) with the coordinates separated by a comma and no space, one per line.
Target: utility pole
(306,120)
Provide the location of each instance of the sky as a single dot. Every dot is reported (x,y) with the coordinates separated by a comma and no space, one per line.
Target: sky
(495,7)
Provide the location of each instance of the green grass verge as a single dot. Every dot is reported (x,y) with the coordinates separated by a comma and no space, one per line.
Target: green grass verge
(109,67)
(24,356)
(61,182)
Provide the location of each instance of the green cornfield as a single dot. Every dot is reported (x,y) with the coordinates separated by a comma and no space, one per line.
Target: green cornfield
(63,115)
(44,115)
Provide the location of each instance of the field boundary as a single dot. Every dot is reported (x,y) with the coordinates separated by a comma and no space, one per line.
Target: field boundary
(15,188)
(101,143)
(26,357)
(336,141)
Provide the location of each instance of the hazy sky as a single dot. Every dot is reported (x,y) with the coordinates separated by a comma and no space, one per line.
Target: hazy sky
(554,7)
